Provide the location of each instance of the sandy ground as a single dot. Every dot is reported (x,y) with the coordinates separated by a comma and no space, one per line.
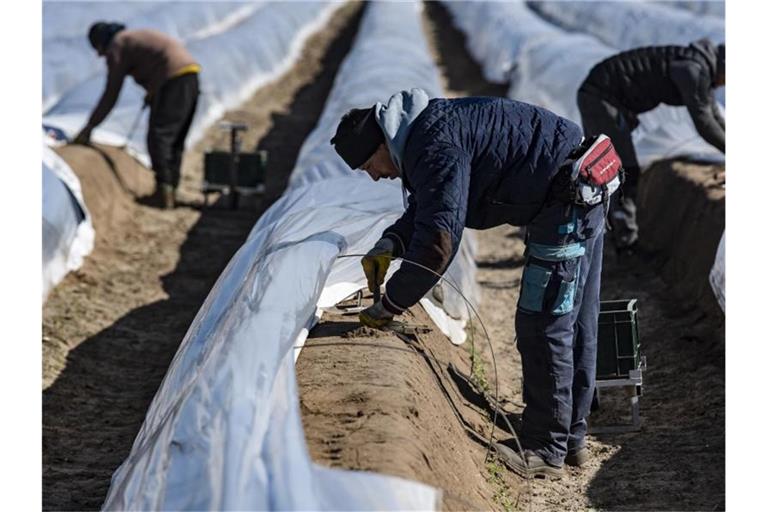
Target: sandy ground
(677,461)
(111,328)
(376,401)
(368,404)
(370,400)
(685,256)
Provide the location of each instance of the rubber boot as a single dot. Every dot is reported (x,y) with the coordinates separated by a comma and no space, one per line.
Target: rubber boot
(168,196)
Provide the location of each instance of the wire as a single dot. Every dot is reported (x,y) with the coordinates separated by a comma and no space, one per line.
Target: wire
(490,346)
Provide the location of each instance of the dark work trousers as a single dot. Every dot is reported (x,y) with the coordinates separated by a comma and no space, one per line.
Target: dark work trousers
(170,116)
(600,116)
(556,324)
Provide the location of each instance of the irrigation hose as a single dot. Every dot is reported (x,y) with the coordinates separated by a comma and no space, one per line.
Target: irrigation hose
(471,307)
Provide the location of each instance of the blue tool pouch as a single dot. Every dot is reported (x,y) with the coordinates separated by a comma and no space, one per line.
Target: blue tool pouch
(549,286)
(565,294)
(534,285)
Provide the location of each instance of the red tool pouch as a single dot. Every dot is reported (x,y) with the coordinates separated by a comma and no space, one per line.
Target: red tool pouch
(599,164)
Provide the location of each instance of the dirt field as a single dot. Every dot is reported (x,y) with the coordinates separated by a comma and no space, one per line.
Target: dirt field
(111,328)
(677,462)
(381,402)
(369,403)
(371,400)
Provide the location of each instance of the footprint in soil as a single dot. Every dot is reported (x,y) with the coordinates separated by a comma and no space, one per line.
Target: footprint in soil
(362,332)
(356,397)
(333,454)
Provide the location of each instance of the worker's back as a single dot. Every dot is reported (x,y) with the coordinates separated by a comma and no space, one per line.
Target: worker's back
(511,149)
(149,56)
(642,78)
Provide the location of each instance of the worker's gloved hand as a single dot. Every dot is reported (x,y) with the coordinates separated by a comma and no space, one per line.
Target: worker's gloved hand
(84,137)
(376,262)
(375,316)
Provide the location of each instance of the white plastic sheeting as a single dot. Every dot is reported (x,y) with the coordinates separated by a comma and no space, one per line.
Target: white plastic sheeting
(66,21)
(68,58)
(546,65)
(368,76)
(67,230)
(706,7)
(239,46)
(626,25)
(224,430)
(717,274)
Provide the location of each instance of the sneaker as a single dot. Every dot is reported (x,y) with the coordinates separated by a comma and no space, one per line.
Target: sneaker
(577,458)
(528,464)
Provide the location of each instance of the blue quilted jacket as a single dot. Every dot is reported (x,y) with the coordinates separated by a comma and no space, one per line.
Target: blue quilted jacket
(470,162)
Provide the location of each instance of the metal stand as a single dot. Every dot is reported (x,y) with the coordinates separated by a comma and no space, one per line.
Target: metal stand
(234,172)
(348,309)
(235,144)
(634,382)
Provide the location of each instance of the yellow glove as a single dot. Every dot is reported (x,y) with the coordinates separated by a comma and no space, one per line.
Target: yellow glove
(375,316)
(376,262)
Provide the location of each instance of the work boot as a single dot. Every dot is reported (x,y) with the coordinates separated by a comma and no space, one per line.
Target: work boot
(528,464)
(577,458)
(163,197)
(168,195)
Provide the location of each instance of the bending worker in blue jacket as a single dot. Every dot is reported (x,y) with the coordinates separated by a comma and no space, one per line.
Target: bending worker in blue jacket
(480,163)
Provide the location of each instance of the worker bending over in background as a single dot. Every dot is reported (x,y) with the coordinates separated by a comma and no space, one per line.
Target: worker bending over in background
(169,74)
(480,163)
(636,81)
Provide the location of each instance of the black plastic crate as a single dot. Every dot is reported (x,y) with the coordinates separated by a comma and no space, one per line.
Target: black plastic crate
(618,342)
(250,169)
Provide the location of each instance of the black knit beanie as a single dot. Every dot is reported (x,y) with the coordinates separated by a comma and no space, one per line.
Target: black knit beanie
(101,33)
(357,136)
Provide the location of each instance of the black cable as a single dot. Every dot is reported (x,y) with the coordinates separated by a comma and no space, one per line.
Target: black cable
(490,346)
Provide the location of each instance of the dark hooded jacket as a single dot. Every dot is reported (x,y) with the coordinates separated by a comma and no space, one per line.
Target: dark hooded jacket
(470,162)
(639,80)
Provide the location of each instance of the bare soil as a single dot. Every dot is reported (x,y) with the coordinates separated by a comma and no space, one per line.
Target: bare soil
(677,460)
(371,401)
(681,212)
(376,401)
(111,329)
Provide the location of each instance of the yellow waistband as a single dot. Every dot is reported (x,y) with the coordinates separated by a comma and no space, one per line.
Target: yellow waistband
(191,68)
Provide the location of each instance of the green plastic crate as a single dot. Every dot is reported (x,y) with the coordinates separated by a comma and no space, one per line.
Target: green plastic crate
(618,342)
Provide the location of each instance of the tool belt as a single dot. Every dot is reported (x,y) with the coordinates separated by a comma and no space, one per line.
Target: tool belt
(590,174)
